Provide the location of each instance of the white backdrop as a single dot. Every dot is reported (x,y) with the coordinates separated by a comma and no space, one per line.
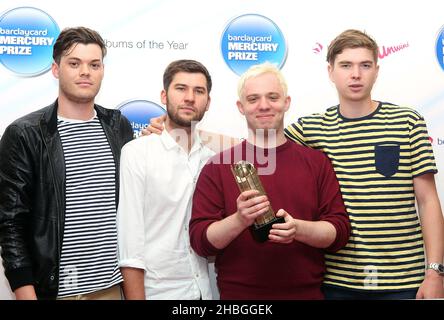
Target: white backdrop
(411,76)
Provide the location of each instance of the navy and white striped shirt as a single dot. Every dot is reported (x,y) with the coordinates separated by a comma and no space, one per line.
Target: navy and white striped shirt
(89,250)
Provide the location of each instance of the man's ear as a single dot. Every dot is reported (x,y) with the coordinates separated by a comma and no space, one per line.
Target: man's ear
(287,103)
(330,70)
(208,104)
(55,70)
(163,97)
(240,106)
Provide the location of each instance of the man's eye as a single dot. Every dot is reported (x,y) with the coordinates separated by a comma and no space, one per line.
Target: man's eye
(274,98)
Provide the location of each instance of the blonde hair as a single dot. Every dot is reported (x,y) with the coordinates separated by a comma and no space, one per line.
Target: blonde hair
(257,70)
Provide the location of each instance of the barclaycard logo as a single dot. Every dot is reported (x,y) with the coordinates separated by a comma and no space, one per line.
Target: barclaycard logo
(27,37)
(139,113)
(439,48)
(252,39)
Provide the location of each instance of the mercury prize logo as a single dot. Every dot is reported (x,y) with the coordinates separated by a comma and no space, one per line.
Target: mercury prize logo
(252,39)
(27,36)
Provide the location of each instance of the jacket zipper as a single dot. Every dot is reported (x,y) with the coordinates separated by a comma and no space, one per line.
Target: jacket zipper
(57,193)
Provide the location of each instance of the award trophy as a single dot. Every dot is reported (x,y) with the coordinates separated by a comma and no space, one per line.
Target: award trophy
(246,177)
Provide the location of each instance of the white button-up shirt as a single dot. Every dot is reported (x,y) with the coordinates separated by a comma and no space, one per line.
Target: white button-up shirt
(157,181)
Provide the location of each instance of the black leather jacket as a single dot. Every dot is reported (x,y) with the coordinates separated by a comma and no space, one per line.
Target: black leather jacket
(32,194)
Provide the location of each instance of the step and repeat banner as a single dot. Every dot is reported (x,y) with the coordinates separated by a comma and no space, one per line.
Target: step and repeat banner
(143,37)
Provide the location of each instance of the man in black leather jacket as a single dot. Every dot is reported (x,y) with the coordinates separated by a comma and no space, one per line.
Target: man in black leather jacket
(38,183)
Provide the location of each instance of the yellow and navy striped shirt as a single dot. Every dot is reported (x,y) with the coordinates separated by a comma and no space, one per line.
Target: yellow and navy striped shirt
(375,159)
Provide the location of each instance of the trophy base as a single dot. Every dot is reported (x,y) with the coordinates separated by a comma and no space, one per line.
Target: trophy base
(260,233)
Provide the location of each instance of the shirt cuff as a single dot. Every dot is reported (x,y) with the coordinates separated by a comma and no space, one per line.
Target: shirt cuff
(132,263)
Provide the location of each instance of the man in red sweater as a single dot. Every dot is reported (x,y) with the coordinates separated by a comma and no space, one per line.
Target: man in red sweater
(301,187)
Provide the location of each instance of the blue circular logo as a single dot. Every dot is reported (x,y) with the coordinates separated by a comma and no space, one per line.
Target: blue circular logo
(440,48)
(252,39)
(27,36)
(139,113)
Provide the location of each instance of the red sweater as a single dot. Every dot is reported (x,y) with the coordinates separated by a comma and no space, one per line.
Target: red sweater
(304,184)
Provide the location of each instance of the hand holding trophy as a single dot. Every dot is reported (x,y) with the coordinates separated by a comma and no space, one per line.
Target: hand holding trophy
(247,178)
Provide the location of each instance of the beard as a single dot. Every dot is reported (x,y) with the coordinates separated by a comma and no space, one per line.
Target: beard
(173,114)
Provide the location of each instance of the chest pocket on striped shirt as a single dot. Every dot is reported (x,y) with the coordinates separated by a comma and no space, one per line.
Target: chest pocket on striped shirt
(387,159)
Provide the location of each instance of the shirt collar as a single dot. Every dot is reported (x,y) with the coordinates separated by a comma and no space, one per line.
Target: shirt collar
(170,143)
(77,120)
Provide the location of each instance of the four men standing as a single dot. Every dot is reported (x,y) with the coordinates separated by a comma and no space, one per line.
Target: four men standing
(59,191)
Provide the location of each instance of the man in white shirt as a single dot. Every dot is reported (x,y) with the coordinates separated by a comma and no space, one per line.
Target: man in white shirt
(157,180)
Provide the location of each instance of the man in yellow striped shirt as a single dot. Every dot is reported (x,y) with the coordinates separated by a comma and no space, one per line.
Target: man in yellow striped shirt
(384,161)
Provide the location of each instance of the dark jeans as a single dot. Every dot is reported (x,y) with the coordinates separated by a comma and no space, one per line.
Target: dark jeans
(336,293)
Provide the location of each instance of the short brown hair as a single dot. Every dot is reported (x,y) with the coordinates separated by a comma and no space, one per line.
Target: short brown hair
(351,38)
(72,36)
(190,66)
